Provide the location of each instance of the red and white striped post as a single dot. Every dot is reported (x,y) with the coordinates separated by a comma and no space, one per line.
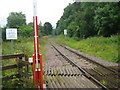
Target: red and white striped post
(37,57)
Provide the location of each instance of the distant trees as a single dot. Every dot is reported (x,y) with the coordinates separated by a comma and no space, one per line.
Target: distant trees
(89,19)
(16,20)
(47,28)
(26,31)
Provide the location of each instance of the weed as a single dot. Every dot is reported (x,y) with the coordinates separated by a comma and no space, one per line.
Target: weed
(21,46)
(104,83)
(118,80)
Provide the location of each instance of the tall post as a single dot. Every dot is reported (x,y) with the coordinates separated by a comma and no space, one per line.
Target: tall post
(37,57)
(12,47)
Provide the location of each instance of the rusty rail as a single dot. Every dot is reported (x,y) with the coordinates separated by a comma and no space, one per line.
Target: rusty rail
(86,74)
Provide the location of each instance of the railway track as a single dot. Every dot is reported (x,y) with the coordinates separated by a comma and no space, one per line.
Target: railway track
(72,67)
(58,73)
(86,74)
(90,60)
(100,72)
(105,72)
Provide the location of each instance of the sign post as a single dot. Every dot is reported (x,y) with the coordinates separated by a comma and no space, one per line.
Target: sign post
(11,34)
(37,57)
(65,32)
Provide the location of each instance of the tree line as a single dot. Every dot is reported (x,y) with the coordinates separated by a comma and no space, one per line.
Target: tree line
(86,19)
(18,20)
(81,19)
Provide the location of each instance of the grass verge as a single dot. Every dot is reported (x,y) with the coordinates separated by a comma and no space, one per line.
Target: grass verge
(21,46)
(106,48)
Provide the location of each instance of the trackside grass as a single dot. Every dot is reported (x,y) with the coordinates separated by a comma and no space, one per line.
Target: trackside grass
(21,46)
(106,48)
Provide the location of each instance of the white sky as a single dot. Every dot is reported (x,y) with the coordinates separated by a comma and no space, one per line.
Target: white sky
(47,10)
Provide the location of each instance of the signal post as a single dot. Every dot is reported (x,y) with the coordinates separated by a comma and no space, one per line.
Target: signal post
(37,57)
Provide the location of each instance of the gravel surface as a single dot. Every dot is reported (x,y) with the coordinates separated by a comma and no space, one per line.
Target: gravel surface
(60,74)
(76,59)
(53,58)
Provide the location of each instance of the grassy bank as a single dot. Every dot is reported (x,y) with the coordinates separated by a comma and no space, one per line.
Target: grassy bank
(23,46)
(106,48)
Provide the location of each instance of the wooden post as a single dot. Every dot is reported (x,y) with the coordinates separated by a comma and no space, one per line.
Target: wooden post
(19,65)
(27,66)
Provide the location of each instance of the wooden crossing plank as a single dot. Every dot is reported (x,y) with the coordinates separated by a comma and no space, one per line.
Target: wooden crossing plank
(77,71)
(73,71)
(62,82)
(89,83)
(76,81)
(64,70)
(81,85)
(49,82)
(70,81)
(52,71)
(67,83)
(70,70)
(67,71)
(49,71)
(83,82)
(60,69)
(56,81)
(64,73)
(52,81)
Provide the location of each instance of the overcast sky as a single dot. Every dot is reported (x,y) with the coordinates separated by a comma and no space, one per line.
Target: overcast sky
(48,10)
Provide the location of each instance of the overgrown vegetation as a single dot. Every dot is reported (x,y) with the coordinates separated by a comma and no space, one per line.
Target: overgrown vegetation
(21,46)
(86,19)
(106,48)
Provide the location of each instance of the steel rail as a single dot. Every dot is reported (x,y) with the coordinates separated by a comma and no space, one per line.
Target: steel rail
(86,74)
(90,60)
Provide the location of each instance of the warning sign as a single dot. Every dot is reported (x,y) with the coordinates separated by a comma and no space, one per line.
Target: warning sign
(11,33)
(65,32)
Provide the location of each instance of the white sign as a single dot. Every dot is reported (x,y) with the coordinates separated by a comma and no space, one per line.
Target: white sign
(11,33)
(30,60)
(65,32)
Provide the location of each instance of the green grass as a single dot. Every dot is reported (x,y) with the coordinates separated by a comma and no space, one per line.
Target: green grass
(104,83)
(43,50)
(21,46)
(106,48)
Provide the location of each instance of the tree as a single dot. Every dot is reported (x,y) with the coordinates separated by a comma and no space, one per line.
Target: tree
(25,31)
(40,30)
(107,18)
(47,28)
(86,19)
(30,24)
(15,20)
